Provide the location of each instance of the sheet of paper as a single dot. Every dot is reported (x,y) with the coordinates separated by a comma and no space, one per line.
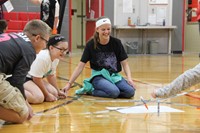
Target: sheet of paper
(127,6)
(8,5)
(161,14)
(142,109)
(158,1)
(152,19)
(162,1)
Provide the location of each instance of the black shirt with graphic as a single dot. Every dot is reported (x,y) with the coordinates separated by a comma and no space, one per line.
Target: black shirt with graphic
(106,56)
(16,56)
(47,12)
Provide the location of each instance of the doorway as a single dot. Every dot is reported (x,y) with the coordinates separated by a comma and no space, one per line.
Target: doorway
(83,22)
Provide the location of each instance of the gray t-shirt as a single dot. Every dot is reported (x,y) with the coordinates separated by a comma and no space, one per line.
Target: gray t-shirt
(16,57)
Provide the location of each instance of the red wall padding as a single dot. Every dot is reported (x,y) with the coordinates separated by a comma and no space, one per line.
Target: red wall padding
(17,20)
(90,24)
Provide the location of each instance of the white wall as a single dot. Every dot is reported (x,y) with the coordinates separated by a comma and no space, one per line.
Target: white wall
(140,8)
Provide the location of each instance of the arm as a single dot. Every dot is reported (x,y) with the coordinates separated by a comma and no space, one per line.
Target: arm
(30,110)
(74,76)
(127,71)
(56,18)
(39,82)
(56,22)
(182,82)
(53,81)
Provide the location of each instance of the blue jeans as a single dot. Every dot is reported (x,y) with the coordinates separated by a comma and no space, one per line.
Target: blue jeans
(104,88)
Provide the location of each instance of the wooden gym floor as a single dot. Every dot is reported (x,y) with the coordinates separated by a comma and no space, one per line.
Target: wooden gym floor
(87,114)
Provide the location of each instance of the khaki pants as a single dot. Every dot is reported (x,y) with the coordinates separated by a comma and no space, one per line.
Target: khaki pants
(11,97)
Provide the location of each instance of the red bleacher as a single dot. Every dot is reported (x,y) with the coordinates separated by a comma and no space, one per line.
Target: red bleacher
(17,20)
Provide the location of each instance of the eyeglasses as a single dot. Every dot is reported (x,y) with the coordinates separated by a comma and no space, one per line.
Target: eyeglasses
(62,50)
(46,41)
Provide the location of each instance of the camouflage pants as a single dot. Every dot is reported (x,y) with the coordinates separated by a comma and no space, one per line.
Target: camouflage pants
(11,97)
(182,82)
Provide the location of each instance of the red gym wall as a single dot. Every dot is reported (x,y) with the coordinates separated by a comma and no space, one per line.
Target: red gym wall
(98,7)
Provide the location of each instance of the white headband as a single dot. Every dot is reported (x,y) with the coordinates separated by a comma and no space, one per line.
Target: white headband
(103,21)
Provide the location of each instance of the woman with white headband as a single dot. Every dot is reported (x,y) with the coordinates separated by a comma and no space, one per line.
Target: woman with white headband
(107,57)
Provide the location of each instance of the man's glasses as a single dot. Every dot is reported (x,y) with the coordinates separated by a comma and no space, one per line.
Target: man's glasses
(46,41)
(61,49)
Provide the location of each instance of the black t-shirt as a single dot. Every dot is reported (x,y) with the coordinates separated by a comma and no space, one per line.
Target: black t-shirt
(16,57)
(106,56)
(47,12)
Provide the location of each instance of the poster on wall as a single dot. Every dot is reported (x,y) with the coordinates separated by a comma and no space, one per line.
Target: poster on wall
(127,6)
(157,15)
(152,19)
(161,14)
(158,1)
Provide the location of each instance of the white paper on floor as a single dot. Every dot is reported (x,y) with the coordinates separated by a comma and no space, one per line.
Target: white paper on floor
(142,109)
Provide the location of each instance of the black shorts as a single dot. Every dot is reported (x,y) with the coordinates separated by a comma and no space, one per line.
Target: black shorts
(28,79)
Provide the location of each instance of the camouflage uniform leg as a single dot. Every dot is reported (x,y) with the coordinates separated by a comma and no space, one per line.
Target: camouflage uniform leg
(182,82)
(11,97)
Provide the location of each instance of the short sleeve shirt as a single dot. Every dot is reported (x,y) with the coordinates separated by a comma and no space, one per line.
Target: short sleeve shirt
(57,7)
(43,66)
(106,56)
(16,57)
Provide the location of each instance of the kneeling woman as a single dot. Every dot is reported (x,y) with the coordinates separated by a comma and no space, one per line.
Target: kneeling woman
(107,57)
(37,89)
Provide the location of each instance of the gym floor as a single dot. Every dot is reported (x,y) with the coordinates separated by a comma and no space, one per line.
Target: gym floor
(88,114)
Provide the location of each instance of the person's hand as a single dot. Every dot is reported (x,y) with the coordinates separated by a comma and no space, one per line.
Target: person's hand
(61,95)
(50,98)
(66,88)
(130,81)
(30,110)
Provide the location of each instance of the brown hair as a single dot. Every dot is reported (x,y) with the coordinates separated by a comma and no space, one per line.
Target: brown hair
(37,27)
(3,25)
(96,34)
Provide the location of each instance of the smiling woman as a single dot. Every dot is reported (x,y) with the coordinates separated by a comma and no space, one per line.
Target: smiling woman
(37,89)
(107,57)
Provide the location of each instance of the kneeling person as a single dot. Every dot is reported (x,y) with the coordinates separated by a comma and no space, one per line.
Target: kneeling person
(37,89)
(17,52)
